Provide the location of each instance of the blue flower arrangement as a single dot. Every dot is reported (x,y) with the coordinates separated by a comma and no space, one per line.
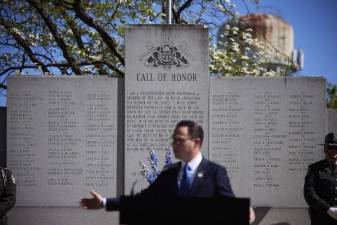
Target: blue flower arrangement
(152,173)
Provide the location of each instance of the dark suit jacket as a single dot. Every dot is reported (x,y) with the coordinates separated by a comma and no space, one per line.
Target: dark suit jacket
(320,192)
(211,180)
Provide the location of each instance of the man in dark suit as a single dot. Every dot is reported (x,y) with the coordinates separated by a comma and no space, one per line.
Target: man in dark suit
(320,187)
(205,178)
(192,176)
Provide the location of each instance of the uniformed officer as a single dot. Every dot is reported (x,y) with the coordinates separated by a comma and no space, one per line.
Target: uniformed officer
(320,187)
(7,193)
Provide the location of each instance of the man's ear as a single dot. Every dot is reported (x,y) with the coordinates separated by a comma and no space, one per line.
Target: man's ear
(197,141)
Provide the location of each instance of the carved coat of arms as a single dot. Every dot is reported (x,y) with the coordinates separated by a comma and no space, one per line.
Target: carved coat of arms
(166,55)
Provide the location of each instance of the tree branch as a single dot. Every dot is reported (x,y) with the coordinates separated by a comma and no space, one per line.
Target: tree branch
(3,86)
(65,65)
(23,44)
(78,38)
(177,15)
(58,39)
(104,35)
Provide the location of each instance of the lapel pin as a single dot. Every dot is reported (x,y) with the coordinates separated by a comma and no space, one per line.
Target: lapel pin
(200,175)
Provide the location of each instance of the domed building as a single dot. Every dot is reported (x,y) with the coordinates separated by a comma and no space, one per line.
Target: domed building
(275,33)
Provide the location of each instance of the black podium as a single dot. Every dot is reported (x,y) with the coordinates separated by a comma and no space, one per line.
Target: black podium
(184,211)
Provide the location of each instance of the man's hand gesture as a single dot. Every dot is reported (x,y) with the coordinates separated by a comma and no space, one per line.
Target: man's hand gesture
(92,203)
(332,212)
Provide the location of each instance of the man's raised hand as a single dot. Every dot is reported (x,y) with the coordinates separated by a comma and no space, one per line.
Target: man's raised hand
(92,203)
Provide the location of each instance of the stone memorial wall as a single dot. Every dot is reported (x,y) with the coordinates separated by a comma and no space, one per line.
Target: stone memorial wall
(2,136)
(266,131)
(332,120)
(62,138)
(166,81)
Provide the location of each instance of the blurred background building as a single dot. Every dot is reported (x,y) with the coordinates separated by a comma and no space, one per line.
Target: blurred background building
(275,33)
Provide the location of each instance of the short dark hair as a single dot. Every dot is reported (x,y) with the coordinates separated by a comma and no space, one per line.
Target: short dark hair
(194,129)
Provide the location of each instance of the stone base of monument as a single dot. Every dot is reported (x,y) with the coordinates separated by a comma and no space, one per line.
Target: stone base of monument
(281,216)
(61,216)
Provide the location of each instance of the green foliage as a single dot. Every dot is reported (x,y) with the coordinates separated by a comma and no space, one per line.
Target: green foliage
(332,96)
(239,54)
(87,37)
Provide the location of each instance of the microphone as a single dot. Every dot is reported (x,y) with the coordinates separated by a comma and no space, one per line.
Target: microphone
(132,192)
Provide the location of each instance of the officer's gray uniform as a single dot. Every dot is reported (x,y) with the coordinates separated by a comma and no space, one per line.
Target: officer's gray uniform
(7,193)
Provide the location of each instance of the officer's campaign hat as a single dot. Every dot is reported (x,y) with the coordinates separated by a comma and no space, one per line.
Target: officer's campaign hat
(330,141)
